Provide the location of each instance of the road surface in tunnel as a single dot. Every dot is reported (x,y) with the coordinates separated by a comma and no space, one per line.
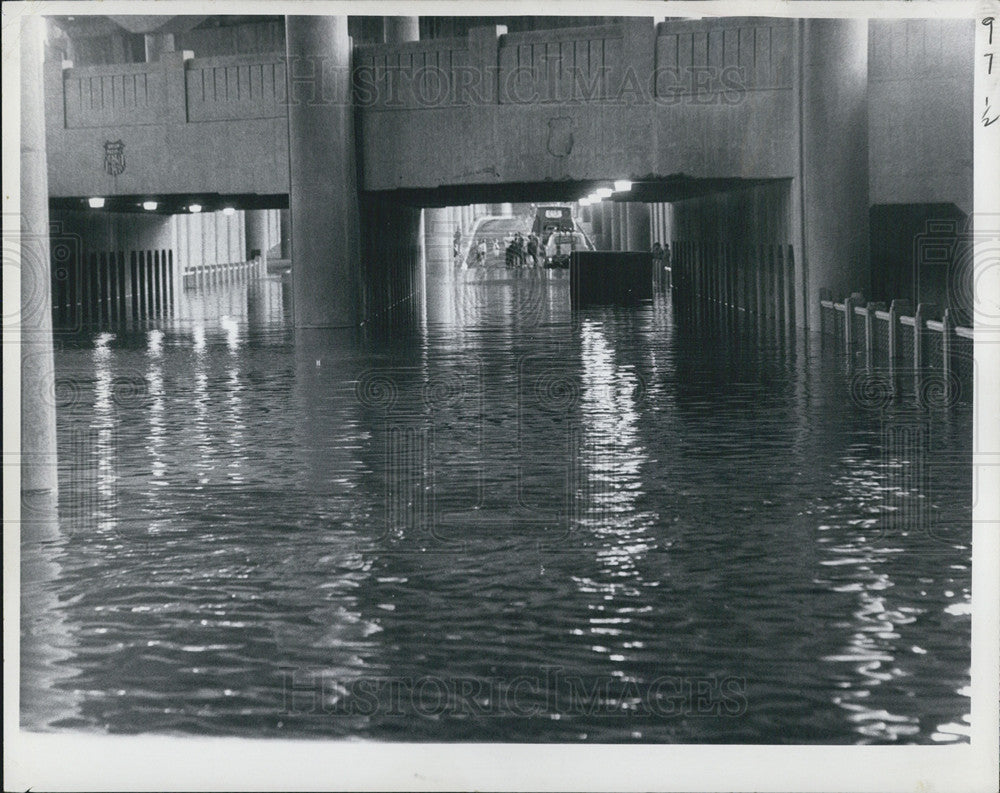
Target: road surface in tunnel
(511,522)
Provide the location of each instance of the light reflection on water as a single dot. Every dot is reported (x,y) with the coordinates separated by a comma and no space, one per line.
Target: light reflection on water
(509,523)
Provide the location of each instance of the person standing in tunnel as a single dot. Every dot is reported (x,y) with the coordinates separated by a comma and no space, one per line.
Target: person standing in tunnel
(533,249)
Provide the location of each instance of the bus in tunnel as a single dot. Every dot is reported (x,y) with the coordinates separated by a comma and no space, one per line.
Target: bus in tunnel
(549,218)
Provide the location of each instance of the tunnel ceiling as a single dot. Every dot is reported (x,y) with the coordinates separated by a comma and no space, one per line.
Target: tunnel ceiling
(175,203)
(652,190)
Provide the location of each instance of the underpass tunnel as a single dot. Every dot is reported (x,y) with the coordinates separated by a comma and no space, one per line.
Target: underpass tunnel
(421,245)
(123,260)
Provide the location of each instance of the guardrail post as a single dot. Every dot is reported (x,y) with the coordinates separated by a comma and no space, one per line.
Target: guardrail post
(870,310)
(924,311)
(849,324)
(946,344)
(896,309)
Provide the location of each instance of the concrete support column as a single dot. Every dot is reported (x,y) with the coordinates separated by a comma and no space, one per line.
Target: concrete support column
(831,206)
(38,402)
(399,30)
(637,226)
(285,233)
(506,209)
(439,234)
(179,231)
(656,232)
(607,216)
(616,225)
(256,233)
(324,195)
(157,44)
(597,225)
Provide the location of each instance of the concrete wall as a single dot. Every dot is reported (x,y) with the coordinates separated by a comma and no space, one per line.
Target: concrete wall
(485,109)
(920,99)
(736,248)
(755,215)
(112,267)
(195,239)
(921,115)
(393,261)
(116,231)
(209,238)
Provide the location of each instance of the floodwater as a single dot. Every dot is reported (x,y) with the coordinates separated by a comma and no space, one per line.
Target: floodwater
(504,522)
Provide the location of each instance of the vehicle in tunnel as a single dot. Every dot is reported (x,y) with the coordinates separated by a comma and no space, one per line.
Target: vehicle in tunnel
(549,218)
(560,244)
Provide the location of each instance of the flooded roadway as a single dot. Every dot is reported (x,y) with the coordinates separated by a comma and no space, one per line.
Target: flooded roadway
(509,523)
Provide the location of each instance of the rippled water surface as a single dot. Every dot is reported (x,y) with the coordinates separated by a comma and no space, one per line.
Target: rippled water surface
(510,522)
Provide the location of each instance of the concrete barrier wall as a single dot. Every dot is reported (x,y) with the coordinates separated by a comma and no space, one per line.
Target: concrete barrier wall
(707,99)
(120,95)
(235,88)
(177,125)
(582,64)
(735,249)
(413,75)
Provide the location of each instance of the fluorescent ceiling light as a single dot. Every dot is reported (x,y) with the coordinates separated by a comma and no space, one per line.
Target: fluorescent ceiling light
(622,185)
(149,205)
(603,192)
(194,208)
(95,203)
(228,211)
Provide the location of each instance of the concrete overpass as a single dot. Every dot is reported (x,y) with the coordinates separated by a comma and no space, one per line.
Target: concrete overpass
(778,116)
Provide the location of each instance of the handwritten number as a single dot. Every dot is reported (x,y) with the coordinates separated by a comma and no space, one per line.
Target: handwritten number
(986,114)
(987,121)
